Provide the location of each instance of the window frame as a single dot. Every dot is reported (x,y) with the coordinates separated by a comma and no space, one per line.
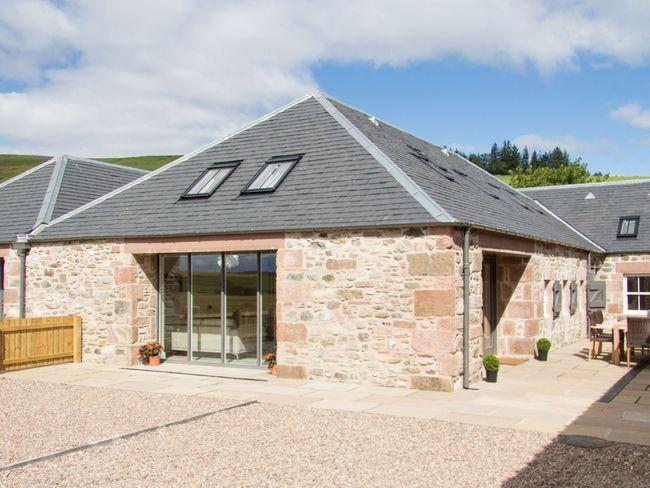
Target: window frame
(292,158)
(226,164)
(620,235)
(626,293)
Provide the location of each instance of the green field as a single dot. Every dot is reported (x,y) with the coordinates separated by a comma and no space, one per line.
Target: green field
(506,178)
(13,164)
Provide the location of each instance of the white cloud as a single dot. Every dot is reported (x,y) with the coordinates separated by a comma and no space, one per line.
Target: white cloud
(541,143)
(125,77)
(633,114)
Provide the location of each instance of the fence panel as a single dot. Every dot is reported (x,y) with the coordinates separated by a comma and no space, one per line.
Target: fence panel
(27,343)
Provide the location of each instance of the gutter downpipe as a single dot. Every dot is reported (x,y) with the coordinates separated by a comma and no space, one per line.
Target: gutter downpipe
(466,311)
(22,248)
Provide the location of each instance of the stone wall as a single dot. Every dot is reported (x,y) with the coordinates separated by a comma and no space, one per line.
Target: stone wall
(380,307)
(524,289)
(113,291)
(613,269)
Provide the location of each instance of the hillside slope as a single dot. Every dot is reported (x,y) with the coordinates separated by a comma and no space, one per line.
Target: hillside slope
(13,164)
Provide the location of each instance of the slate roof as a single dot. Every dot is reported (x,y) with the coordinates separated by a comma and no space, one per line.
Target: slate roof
(598,217)
(54,188)
(353,174)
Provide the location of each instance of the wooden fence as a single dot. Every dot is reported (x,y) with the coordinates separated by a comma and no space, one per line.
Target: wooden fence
(27,343)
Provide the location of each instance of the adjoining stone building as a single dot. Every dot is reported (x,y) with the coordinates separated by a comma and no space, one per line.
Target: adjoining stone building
(353,249)
(34,198)
(615,216)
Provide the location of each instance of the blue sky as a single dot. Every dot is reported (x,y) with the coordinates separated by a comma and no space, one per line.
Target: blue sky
(464,74)
(458,104)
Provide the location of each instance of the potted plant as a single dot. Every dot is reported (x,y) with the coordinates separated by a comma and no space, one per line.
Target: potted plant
(491,365)
(543,345)
(271,362)
(150,352)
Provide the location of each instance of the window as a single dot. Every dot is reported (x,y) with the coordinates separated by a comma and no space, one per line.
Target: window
(211,179)
(637,294)
(269,177)
(628,227)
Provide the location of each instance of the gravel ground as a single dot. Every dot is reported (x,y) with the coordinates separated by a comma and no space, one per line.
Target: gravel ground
(273,445)
(39,417)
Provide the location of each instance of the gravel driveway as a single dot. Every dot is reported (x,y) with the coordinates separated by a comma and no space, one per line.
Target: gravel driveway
(273,445)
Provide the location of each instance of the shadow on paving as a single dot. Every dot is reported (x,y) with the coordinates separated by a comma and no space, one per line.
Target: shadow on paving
(620,421)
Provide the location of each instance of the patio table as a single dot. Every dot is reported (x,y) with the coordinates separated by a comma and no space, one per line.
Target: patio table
(616,330)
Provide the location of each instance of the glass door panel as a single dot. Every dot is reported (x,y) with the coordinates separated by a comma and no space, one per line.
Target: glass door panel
(241,303)
(206,307)
(175,288)
(267,295)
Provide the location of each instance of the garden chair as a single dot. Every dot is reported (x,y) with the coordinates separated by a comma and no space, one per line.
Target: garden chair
(598,335)
(638,335)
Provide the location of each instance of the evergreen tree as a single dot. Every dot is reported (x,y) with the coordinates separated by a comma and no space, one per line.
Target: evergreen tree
(525,158)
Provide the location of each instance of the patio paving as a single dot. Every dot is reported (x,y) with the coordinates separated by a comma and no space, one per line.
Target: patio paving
(557,396)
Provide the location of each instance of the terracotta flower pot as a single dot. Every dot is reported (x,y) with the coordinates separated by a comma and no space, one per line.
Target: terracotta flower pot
(274,370)
(154,360)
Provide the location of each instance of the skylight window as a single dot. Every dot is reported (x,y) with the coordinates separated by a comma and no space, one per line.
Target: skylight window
(274,171)
(211,179)
(628,226)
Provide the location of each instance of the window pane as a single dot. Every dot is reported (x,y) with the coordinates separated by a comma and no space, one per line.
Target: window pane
(241,304)
(644,282)
(206,307)
(196,188)
(631,226)
(268,278)
(270,175)
(175,284)
(216,180)
(278,173)
(633,302)
(633,284)
(644,302)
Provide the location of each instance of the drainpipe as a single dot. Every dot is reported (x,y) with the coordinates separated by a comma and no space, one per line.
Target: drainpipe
(466,311)
(22,248)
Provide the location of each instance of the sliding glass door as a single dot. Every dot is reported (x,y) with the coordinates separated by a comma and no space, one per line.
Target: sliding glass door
(206,307)
(218,308)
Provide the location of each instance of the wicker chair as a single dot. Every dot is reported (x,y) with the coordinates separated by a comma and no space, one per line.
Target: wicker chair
(638,335)
(595,317)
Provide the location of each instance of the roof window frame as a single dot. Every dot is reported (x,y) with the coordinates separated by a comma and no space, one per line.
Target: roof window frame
(294,159)
(636,218)
(187,194)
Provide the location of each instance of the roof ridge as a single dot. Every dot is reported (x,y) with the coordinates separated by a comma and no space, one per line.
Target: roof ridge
(422,197)
(28,172)
(171,164)
(106,163)
(52,192)
(587,185)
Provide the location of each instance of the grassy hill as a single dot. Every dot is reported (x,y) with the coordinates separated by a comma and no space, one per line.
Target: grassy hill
(13,164)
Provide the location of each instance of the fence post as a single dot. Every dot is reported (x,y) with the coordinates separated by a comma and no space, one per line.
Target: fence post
(76,331)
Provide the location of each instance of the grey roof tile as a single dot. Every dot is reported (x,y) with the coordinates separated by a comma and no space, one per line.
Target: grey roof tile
(54,188)
(598,217)
(337,184)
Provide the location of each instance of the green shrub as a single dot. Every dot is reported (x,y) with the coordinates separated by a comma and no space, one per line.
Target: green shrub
(543,344)
(491,363)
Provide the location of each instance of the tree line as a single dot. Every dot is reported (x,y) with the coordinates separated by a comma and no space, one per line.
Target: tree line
(554,167)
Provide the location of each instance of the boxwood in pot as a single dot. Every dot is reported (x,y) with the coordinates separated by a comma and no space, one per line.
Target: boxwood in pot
(491,365)
(543,346)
